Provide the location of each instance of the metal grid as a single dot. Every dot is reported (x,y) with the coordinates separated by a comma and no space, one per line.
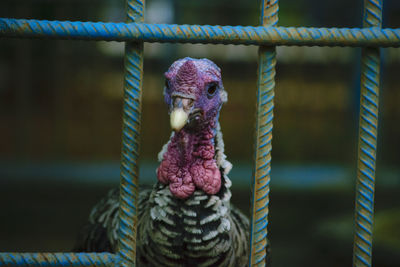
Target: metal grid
(267,36)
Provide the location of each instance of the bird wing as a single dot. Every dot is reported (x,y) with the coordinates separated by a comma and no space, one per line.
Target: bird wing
(100,234)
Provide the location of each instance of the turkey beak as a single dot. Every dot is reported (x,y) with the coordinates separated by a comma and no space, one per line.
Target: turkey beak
(180,112)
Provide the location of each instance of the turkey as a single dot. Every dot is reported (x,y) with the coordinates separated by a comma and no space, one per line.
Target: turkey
(186,219)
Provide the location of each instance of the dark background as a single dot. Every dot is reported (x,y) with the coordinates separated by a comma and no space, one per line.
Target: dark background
(60,133)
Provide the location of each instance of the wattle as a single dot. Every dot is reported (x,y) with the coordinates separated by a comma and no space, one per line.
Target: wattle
(189,163)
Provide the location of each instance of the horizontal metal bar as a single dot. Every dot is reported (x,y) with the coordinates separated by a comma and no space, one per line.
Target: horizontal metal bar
(372,37)
(57,259)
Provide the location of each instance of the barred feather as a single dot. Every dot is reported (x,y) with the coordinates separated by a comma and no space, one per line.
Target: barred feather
(203,230)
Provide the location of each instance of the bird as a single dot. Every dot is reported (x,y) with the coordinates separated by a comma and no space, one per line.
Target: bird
(186,219)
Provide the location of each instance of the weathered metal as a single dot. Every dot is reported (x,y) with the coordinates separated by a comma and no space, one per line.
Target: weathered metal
(130,141)
(169,33)
(263,147)
(57,259)
(367,142)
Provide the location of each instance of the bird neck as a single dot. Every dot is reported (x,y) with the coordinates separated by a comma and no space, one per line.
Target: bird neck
(189,162)
(190,145)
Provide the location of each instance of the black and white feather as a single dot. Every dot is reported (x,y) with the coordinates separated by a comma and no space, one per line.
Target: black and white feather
(202,230)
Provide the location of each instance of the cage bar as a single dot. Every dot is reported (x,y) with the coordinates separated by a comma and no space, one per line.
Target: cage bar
(56,259)
(130,141)
(205,34)
(263,147)
(367,142)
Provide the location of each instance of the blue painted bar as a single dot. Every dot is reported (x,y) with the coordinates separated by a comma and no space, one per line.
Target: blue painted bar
(263,145)
(367,142)
(129,182)
(170,33)
(57,259)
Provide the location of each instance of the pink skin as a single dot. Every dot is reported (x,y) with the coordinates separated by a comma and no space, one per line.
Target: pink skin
(189,164)
(189,160)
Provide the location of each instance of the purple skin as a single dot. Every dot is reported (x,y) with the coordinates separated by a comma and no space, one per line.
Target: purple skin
(196,86)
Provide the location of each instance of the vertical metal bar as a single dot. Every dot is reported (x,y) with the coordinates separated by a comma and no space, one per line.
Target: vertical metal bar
(367,142)
(130,141)
(261,179)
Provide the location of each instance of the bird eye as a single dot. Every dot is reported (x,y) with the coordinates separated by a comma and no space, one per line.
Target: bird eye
(212,89)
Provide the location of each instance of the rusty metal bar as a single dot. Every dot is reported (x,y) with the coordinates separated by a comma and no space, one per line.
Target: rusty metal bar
(262,168)
(170,33)
(57,259)
(367,142)
(130,141)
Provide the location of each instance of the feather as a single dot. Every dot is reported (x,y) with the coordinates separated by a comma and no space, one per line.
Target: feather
(197,228)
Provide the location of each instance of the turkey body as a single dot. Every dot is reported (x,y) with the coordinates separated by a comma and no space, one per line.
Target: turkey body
(203,230)
(187,218)
(200,231)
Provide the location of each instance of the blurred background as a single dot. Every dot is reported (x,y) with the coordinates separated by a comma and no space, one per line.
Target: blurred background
(60,137)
